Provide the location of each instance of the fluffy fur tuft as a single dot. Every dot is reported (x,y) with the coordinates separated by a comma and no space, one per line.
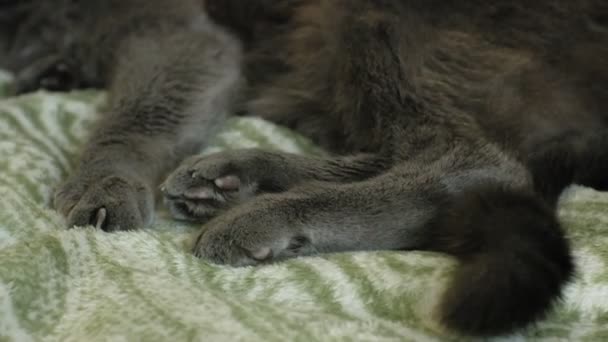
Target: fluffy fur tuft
(514,257)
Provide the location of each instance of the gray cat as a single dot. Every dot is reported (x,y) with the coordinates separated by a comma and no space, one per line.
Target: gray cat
(454,125)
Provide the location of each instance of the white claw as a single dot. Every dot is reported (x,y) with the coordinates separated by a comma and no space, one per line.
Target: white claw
(100,218)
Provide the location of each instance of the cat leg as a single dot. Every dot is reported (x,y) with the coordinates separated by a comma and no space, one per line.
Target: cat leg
(204,186)
(514,257)
(168,95)
(331,212)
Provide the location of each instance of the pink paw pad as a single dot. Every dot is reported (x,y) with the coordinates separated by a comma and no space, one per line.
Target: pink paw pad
(262,254)
(229,183)
(200,193)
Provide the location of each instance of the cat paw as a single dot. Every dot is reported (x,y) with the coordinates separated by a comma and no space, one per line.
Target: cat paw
(111,202)
(49,74)
(251,235)
(204,186)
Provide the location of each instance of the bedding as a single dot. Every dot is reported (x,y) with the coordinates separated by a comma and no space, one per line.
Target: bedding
(81,284)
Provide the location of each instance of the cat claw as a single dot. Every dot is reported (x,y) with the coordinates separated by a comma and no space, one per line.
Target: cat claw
(100,218)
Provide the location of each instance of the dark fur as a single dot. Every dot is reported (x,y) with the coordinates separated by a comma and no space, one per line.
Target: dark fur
(491,229)
(455,124)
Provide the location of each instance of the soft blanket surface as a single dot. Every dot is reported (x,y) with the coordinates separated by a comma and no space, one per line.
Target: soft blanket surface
(84,285)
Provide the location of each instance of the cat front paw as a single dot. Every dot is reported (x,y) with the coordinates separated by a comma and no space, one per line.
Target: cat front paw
(108,201)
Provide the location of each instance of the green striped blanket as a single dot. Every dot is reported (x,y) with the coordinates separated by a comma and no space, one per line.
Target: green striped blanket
(86,285)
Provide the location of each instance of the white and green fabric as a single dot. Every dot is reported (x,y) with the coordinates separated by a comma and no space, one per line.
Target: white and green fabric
(86,285)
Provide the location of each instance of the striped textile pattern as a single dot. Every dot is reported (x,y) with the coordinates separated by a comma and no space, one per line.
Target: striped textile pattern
(85,285)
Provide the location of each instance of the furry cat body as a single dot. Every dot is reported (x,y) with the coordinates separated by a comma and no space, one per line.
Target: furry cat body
(455,126)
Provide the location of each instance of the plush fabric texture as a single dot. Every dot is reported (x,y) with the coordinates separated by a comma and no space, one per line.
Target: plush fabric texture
(85,285)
